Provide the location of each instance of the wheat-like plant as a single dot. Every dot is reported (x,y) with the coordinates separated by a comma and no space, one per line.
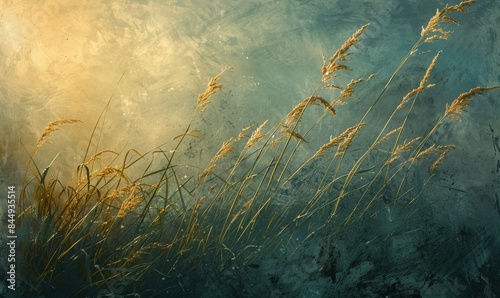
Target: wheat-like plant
(51,127)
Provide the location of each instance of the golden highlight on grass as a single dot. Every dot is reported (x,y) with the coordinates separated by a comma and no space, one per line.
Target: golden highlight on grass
(440,17)
(464,99)
(421,86)
(223,151)
(128,205)
(110,171)
(343,139)
(390,134)
(327,70)
(203,98)
(96,156)
(51,127)
(124,190)
(294,134)
(256,135)
(400,149)
(348,92)
(444,151)
(296,113)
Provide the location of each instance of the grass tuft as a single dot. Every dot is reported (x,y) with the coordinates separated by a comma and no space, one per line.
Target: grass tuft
(117,228)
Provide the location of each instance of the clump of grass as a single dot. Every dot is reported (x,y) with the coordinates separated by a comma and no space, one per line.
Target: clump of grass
(119,225)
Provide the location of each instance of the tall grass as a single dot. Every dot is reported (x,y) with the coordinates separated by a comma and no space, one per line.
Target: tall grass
(124,221)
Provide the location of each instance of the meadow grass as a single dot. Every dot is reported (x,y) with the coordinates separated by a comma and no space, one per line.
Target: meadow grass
(123,220)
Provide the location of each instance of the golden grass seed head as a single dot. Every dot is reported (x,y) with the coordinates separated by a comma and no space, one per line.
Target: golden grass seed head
(293,134)
(341,140)
(349,90)
(389,134)
(110,171)
(256,135)
(203,98)
(439,17)
(128,205)
(51,127)
(96,156)
(327,70)
(405,146)
(224,150)
(464,99)
(439,159)
(209,169)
